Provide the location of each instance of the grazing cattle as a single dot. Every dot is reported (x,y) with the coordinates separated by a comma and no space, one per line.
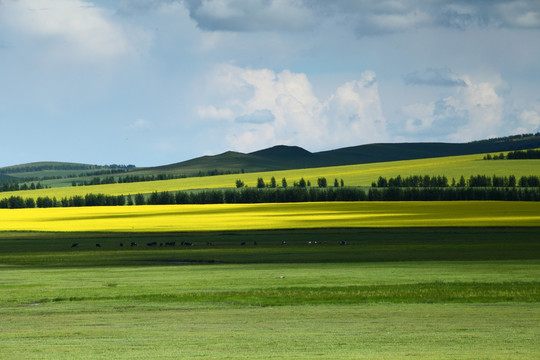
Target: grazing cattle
(171,243)
(133,244)
(208,243)
(283,243)
(121,244)
(98,245)
(151,244)
(185,243)
(243,243)
(255,243)
(74,245)
(343,243)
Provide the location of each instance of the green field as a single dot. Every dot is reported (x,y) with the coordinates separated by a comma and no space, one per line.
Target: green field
(468,293)
(353,175)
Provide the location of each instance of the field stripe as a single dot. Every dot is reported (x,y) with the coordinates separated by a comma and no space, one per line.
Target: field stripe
(223,217)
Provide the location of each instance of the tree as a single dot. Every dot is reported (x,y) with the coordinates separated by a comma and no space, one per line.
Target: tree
(322,182)
(139,199)
(239,183)
(284,183)
(342,183)
(273,182)
(260,183)
(302,183)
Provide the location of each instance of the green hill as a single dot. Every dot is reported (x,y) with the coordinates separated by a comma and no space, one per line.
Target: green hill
(279,157)
(284,157)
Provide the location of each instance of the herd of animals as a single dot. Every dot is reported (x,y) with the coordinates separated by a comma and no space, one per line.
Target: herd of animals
(185,243)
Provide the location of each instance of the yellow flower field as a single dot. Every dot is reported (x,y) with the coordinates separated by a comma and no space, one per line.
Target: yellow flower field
(224,217)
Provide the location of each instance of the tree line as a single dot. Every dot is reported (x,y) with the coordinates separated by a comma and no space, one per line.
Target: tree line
(515,155)
(419,181)
(282,195)
(302,183)
(14,186)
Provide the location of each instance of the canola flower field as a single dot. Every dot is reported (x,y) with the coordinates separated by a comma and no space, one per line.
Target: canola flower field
(224,217)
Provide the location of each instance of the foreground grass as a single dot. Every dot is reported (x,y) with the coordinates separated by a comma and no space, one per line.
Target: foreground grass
(226,217)
(443,310)
(413,293)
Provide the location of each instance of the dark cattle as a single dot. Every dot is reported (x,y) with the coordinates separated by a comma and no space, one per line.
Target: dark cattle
(208,243)
(254,243)
(343,243)
(243,243)
(185,243)
(98,245)
(121,244)
(283,243)
(151,244)
(171,243)
(74,245)
(133,244)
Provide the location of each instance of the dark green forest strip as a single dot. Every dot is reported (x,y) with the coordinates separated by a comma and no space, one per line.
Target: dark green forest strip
(433,292)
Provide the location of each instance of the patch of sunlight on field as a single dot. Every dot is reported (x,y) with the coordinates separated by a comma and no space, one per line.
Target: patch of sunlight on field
(353,175)
(222,217)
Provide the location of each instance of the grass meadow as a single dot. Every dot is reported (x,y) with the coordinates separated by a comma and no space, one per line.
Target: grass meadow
(419,293)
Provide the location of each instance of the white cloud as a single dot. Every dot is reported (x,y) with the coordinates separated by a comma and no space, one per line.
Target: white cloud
(71,29)
(480,104)
(281,108)
(471,112)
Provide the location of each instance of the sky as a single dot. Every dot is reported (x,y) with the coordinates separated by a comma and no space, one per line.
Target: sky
(154,82)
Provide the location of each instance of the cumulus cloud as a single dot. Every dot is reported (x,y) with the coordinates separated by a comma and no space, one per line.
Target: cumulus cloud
(71,29)
(473,111)
(270,108)
(434,77)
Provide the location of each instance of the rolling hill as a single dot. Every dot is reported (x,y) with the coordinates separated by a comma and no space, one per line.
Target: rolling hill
(280,157)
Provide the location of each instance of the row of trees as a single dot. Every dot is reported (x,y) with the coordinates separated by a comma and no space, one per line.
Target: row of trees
(282,195)
(13,186)
(302,183)
(515,155)
(417,181)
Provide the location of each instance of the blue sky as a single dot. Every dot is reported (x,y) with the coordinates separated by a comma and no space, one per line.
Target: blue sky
(152,82)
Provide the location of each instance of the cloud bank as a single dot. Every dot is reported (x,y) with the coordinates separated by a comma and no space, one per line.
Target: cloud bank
(264,108)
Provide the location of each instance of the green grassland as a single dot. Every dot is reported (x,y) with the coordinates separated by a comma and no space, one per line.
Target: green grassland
(422,293)
(353,175)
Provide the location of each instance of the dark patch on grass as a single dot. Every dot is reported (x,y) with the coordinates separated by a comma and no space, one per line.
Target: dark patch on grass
(364,245)
(425,293)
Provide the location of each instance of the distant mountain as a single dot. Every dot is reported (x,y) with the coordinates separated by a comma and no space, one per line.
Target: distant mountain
(282,157)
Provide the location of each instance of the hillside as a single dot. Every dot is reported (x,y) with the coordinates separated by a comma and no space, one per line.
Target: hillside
(284,157)
(280,157)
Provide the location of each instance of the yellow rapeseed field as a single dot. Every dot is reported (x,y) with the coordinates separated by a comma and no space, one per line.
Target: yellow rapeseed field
(226,217)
